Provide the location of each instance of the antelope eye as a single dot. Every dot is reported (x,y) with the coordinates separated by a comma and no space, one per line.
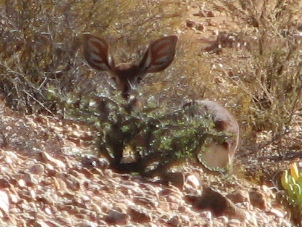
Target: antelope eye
(116,81)
(139,79)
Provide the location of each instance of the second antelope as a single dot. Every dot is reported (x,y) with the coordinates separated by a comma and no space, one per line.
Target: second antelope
(157,57)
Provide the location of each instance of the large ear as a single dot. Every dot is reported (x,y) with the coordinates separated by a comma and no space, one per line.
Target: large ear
(96,52)
(159,54)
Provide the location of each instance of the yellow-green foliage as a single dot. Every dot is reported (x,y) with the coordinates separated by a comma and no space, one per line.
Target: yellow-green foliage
(291,181)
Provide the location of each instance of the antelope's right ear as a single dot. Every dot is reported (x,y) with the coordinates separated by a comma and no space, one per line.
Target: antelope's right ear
(96,52)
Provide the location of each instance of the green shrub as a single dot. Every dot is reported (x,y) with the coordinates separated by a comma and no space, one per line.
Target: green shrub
(157,139)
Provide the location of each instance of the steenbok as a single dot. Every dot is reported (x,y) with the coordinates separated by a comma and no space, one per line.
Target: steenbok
(157,57)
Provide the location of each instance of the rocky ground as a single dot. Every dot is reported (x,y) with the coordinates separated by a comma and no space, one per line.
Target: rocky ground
(45,183)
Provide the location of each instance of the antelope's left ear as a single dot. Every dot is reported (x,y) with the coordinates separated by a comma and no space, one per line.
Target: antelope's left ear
(159,54)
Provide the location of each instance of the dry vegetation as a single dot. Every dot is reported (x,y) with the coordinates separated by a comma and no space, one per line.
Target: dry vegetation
(244,54)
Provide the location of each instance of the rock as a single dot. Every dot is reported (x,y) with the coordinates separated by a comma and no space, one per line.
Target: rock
(204,13)
(117,218)
(277,213)
(193,181)
(239,196)
(88,224)
(139,215)
(42,224)
(190,23)
(46,158)
(258,199)
(4,201)
(60,184)
(21,183)
(174,221)
(210,13)
(175,178)
(200,27)
(37,169)
(4,182)
(73,183)
(209,200)
(216,203)
(30,179)
(150,203)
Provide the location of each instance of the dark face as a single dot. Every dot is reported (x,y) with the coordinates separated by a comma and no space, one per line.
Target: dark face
(127,77)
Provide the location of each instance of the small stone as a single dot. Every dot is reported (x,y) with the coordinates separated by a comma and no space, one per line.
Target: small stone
(207,215)
(21,183)
(73,183)
(210,13)
(32,193)
(48,211)
(175,178)
(37,169)
(174,221)
(239,196)
(45,157)
(88,224)
(117,218)
(138,215)
(4,202)
(4,182)
(200,27)
(277,213)
(146,202)
(201,13)
(60,184)
(30,179)
(258,199)
(193,181)
(234,222)
(40,224)
(190,23)
(14,198)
